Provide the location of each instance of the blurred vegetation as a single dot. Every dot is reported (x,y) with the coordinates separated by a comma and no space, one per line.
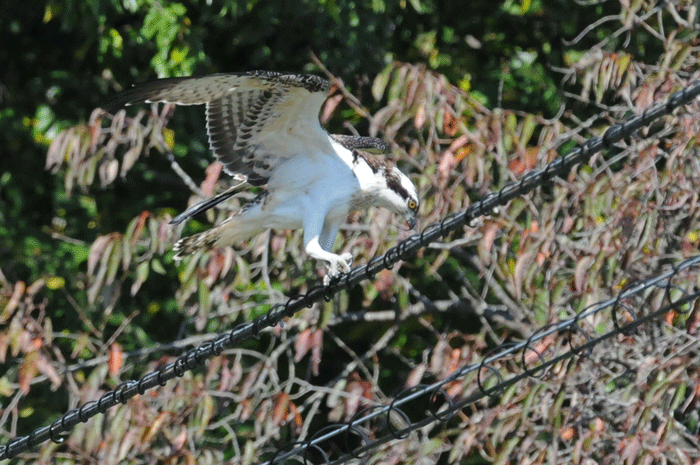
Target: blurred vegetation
(470,95)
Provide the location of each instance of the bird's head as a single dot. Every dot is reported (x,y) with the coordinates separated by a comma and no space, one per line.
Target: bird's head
(400,195)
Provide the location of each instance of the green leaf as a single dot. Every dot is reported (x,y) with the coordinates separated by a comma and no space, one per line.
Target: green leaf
(204,296)
(141,276)
(381,81)
(157,266)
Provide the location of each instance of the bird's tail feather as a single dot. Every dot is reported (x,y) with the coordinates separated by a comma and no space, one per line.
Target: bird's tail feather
(227,233)
(204,205)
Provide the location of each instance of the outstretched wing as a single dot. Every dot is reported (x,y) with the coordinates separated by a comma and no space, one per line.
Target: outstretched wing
(254,120)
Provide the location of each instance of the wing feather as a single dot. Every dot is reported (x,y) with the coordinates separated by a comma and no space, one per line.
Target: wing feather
(254,120)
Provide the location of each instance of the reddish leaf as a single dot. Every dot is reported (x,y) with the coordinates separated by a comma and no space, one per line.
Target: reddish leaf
(420,118)
(217,260)
(450,124)
(352,401)
(302,344)
(138,228)
(455,357)
(490,234)
(316,349)
(281,408)
(567,433)
(212,176)
(180,440)
(533,356)
(669,317)
(95,128)
(358,391)
(416,375)
(116,359)
(384,284)
(329,107)
(447,162)
(298,422)
(28,371)
(246,409)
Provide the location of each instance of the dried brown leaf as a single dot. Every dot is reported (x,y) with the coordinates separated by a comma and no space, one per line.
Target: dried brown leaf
(329,107)
(28,371)
(581,273)
(154,427)
(116,359)
(213,172)
(416,375)
(55,154)
(46,368)
(281,408)
(4,344)
(522,265)
(420,118)
(95,130)
(17,293)
(302,345)
(108,172)
(180,440)
(385,284)
(250,381)
(316,350)
(246,409)
(129,159)
(447,163)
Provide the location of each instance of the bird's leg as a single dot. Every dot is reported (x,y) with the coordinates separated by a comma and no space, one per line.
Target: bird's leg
(313,231)
(328,234)
(336,263)
(326,240)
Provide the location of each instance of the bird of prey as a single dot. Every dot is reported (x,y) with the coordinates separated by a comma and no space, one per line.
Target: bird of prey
(264,128)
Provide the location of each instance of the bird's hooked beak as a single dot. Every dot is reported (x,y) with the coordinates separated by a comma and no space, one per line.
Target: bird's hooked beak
(411,221)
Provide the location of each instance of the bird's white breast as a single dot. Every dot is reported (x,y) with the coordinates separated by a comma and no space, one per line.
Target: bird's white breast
(318,181)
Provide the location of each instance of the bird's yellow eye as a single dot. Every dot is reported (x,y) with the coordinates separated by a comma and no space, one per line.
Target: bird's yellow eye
(412,205)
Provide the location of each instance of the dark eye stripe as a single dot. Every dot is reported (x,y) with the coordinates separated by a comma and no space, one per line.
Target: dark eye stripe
(394,183)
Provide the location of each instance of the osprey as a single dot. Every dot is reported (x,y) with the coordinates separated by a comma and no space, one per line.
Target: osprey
(264,128)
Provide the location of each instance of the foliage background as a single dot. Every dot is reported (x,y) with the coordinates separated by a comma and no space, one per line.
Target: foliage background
(470,96)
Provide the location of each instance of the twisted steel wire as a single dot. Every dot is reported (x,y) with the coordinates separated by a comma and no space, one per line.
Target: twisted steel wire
(195,357)
(445,411)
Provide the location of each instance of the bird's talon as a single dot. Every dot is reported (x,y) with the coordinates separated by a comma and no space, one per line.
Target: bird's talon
(346,262)
(338,266)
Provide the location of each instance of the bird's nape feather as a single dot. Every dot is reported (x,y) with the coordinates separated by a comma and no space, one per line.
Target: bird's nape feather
(373,145)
